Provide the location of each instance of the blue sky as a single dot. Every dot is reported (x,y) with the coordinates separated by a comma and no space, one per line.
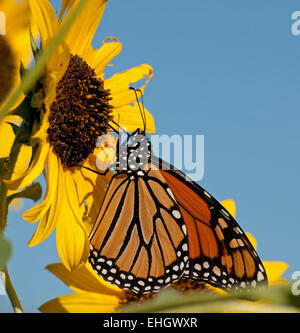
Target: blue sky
(228,70)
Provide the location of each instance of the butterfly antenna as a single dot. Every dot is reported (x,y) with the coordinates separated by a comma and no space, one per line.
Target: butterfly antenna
(115,130)
(121,129)
(144,112)
(141,112)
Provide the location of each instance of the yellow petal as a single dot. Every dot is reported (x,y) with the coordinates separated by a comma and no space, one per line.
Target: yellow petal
(7,135)
(82,303)
(92,188)
(46,211)
(81,34)
(71,238)
(98,59)
(22,162)
(119,84)
(35,169)
(252,240)
(44,229)
(57,66)
(105,286)
(17,39)
(129,118)
(41,133)
(38,211)
(103,156)
(229,205)
(274,270)
(17,30)
(215,289)
(84,279)
(44,17)
(65,4)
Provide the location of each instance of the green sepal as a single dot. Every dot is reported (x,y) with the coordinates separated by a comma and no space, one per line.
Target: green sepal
(22,70)
(33,192)
(23,110)
(37,99)
(15,127)
(24,131)
(34,48)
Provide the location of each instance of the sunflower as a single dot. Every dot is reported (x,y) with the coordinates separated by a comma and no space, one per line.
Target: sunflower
(14,44)
(93,294)
(77,105)
(14,49)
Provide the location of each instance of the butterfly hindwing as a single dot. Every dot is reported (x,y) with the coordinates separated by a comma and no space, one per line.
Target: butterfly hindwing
(219,251)
(139,240)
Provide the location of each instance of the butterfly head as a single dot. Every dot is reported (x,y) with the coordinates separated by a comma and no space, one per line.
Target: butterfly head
(134,153)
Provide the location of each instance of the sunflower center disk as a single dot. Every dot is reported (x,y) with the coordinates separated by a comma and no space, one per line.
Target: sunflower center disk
(186,285)
(80,113)
(7,69)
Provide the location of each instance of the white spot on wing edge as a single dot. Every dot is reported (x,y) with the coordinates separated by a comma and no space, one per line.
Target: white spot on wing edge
(260,276)
(224,213)
(207,194)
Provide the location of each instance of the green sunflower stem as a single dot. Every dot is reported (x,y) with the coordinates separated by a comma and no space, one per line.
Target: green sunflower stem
(6,173)
(15,302)
(9,168)
(3,206)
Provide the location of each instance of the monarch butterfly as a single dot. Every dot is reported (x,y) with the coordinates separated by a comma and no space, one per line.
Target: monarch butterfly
(156,226)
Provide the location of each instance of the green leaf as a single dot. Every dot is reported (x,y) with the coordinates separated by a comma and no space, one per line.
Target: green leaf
(34,48)
(37,99)
(23,110)
(34,151)
(33,192)
(24,131)
(276,298)
(22,70)
(5,251)
(15,127)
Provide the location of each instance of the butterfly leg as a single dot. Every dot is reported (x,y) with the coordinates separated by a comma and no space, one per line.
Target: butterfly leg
(97,172)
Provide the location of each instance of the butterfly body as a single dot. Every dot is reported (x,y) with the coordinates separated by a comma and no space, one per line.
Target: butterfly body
(156,226)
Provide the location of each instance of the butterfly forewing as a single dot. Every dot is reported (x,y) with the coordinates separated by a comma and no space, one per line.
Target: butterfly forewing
(139,240)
